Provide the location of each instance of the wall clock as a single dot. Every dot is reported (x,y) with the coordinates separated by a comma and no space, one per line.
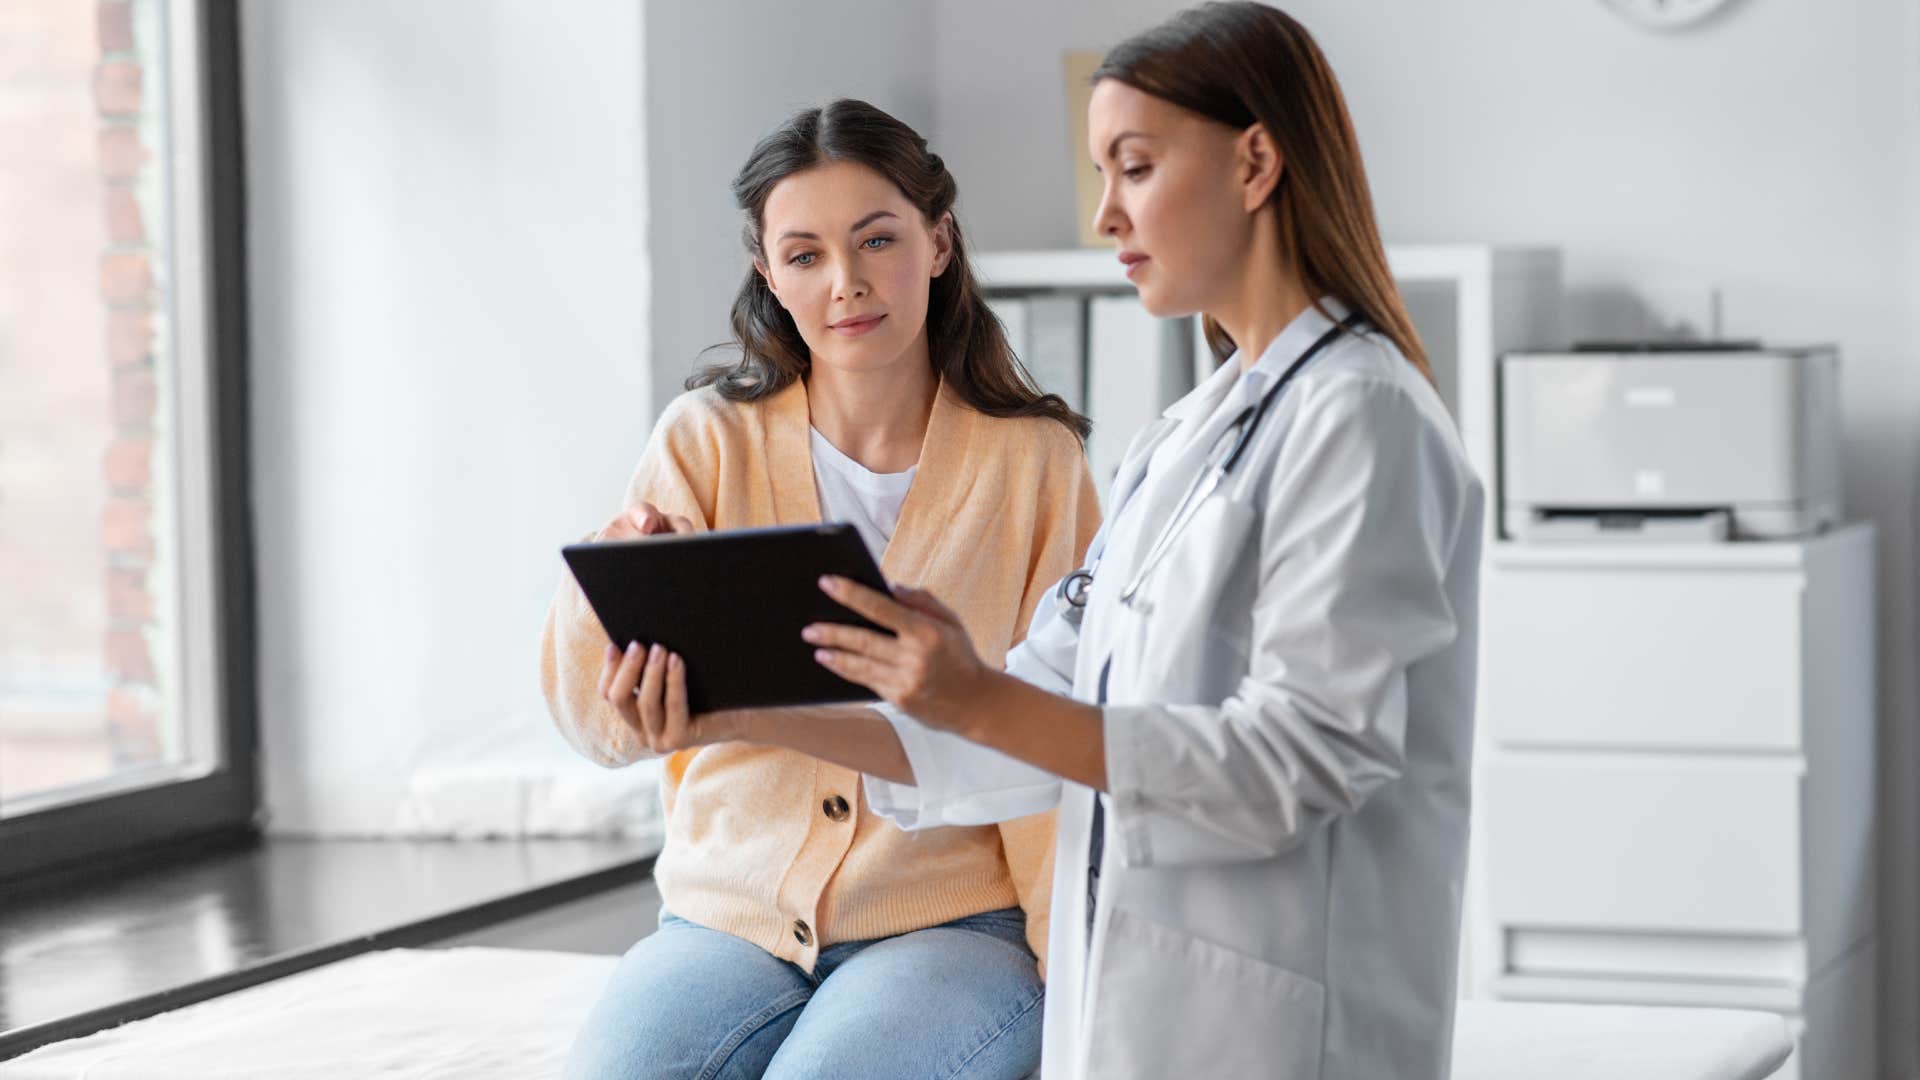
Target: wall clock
(1665,14)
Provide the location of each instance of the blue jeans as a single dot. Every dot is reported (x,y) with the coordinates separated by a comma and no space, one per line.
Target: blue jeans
(960,1000)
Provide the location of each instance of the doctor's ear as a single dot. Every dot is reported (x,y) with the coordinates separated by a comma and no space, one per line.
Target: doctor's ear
(1258,166)
(942,243)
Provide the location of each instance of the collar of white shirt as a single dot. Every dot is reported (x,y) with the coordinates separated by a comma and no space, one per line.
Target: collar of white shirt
(1297,338)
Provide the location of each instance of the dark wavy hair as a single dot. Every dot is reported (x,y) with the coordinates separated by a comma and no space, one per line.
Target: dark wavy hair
(966,343)
(1242,63)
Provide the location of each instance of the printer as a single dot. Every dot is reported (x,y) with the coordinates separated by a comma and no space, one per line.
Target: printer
(1669,443)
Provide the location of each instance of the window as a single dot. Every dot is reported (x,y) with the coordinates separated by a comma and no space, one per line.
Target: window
(126,704)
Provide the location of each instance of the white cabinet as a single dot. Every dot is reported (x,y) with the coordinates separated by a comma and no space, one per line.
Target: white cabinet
(1675,782)
(1469,303)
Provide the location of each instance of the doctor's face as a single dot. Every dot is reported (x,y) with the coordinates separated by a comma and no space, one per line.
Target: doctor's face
(1170,198)
(852,260)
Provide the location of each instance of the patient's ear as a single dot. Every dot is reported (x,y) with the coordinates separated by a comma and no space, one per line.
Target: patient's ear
(761,269)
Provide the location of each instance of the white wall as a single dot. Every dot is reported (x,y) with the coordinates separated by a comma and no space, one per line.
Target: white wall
(721,74)
(449,288)
(1770,154)
(475,226)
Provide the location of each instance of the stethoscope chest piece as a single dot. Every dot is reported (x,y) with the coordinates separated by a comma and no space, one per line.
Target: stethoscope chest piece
(1072,596)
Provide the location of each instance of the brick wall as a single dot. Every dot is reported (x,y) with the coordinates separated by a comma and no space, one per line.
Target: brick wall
(131,270)
(86,583)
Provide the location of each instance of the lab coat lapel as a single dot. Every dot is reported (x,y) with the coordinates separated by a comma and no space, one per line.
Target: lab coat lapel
(1151,478)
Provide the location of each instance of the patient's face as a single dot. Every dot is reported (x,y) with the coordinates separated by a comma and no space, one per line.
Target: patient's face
(852,260)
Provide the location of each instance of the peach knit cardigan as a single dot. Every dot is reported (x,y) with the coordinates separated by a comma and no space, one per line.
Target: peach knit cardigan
(757,845)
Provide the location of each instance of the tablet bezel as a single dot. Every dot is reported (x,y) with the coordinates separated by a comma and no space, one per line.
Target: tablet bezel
(692,593)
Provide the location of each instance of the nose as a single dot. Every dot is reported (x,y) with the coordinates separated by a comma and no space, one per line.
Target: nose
(849,283)
(1107,218)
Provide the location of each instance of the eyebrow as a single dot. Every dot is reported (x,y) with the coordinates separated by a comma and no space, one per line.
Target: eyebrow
(795,234)
(1113,148)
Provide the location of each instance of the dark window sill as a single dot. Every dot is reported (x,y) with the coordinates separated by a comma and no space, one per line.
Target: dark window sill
(79,953)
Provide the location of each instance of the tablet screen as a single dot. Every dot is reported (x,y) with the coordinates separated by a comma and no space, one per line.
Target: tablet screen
(732,604)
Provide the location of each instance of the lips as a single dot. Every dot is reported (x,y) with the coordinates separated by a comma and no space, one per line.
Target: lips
(856,325)
(1132,260)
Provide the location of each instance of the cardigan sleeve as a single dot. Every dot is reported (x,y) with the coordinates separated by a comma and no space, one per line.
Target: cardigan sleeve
(676,473)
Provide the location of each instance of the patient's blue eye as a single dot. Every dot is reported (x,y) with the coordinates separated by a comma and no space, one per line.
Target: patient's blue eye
(805,258)
(875,243)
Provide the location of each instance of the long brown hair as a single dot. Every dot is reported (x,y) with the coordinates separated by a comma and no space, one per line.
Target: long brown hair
(966,343)
(1245,63)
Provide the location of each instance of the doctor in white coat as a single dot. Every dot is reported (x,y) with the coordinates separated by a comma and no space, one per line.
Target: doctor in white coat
(1281,696)
(1254,710)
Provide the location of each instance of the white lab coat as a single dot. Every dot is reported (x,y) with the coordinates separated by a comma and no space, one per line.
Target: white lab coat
(1288,737)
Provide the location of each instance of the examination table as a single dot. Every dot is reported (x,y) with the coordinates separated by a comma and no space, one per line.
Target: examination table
(478,1014)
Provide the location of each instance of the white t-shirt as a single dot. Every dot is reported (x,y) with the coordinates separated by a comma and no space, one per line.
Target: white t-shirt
(849,492)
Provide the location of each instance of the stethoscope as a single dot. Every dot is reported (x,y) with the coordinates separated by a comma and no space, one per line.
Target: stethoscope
(1223,454)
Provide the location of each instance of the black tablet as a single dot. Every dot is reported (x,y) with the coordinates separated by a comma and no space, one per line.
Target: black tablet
(732,604)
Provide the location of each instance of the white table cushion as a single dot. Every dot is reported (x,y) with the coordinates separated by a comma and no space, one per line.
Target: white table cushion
(445,1014)
(1512,1041)
(474,1014)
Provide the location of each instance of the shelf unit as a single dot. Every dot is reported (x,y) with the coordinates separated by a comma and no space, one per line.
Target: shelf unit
(1469,302)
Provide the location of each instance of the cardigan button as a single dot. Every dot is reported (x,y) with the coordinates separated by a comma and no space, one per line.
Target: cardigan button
(802,933)
(836,808)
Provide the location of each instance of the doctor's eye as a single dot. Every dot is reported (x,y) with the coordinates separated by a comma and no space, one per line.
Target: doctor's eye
(805,258)
(1136,172)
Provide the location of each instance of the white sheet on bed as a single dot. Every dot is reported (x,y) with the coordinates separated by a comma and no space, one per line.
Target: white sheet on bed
(510,1014)
(400,1014)
(1511,1041)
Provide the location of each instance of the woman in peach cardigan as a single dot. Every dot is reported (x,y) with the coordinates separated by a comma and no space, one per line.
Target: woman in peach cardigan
(804,935)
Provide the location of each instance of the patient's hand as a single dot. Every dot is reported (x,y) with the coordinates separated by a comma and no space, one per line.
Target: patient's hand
(648,688)
(643,519)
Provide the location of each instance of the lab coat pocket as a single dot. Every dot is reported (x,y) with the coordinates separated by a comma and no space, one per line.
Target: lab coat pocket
(1168,1004)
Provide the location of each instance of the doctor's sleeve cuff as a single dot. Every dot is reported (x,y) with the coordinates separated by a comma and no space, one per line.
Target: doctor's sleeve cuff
(902,803)
(1131,822)
(956,782)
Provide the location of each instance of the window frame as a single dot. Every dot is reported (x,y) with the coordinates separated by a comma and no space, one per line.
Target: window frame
(221,804)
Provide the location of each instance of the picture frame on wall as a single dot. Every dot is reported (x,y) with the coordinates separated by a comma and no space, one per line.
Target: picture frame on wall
(1078,67)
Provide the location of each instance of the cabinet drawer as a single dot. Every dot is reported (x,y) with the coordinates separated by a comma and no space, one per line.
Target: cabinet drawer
(1646,659)
(1642,844)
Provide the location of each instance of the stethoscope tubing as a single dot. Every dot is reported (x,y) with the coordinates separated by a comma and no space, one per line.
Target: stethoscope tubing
(1237,436)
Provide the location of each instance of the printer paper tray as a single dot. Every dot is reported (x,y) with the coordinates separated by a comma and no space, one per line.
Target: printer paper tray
(1622,526)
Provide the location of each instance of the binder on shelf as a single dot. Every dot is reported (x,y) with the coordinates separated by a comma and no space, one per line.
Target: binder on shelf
(1056,336)
(1124,378)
